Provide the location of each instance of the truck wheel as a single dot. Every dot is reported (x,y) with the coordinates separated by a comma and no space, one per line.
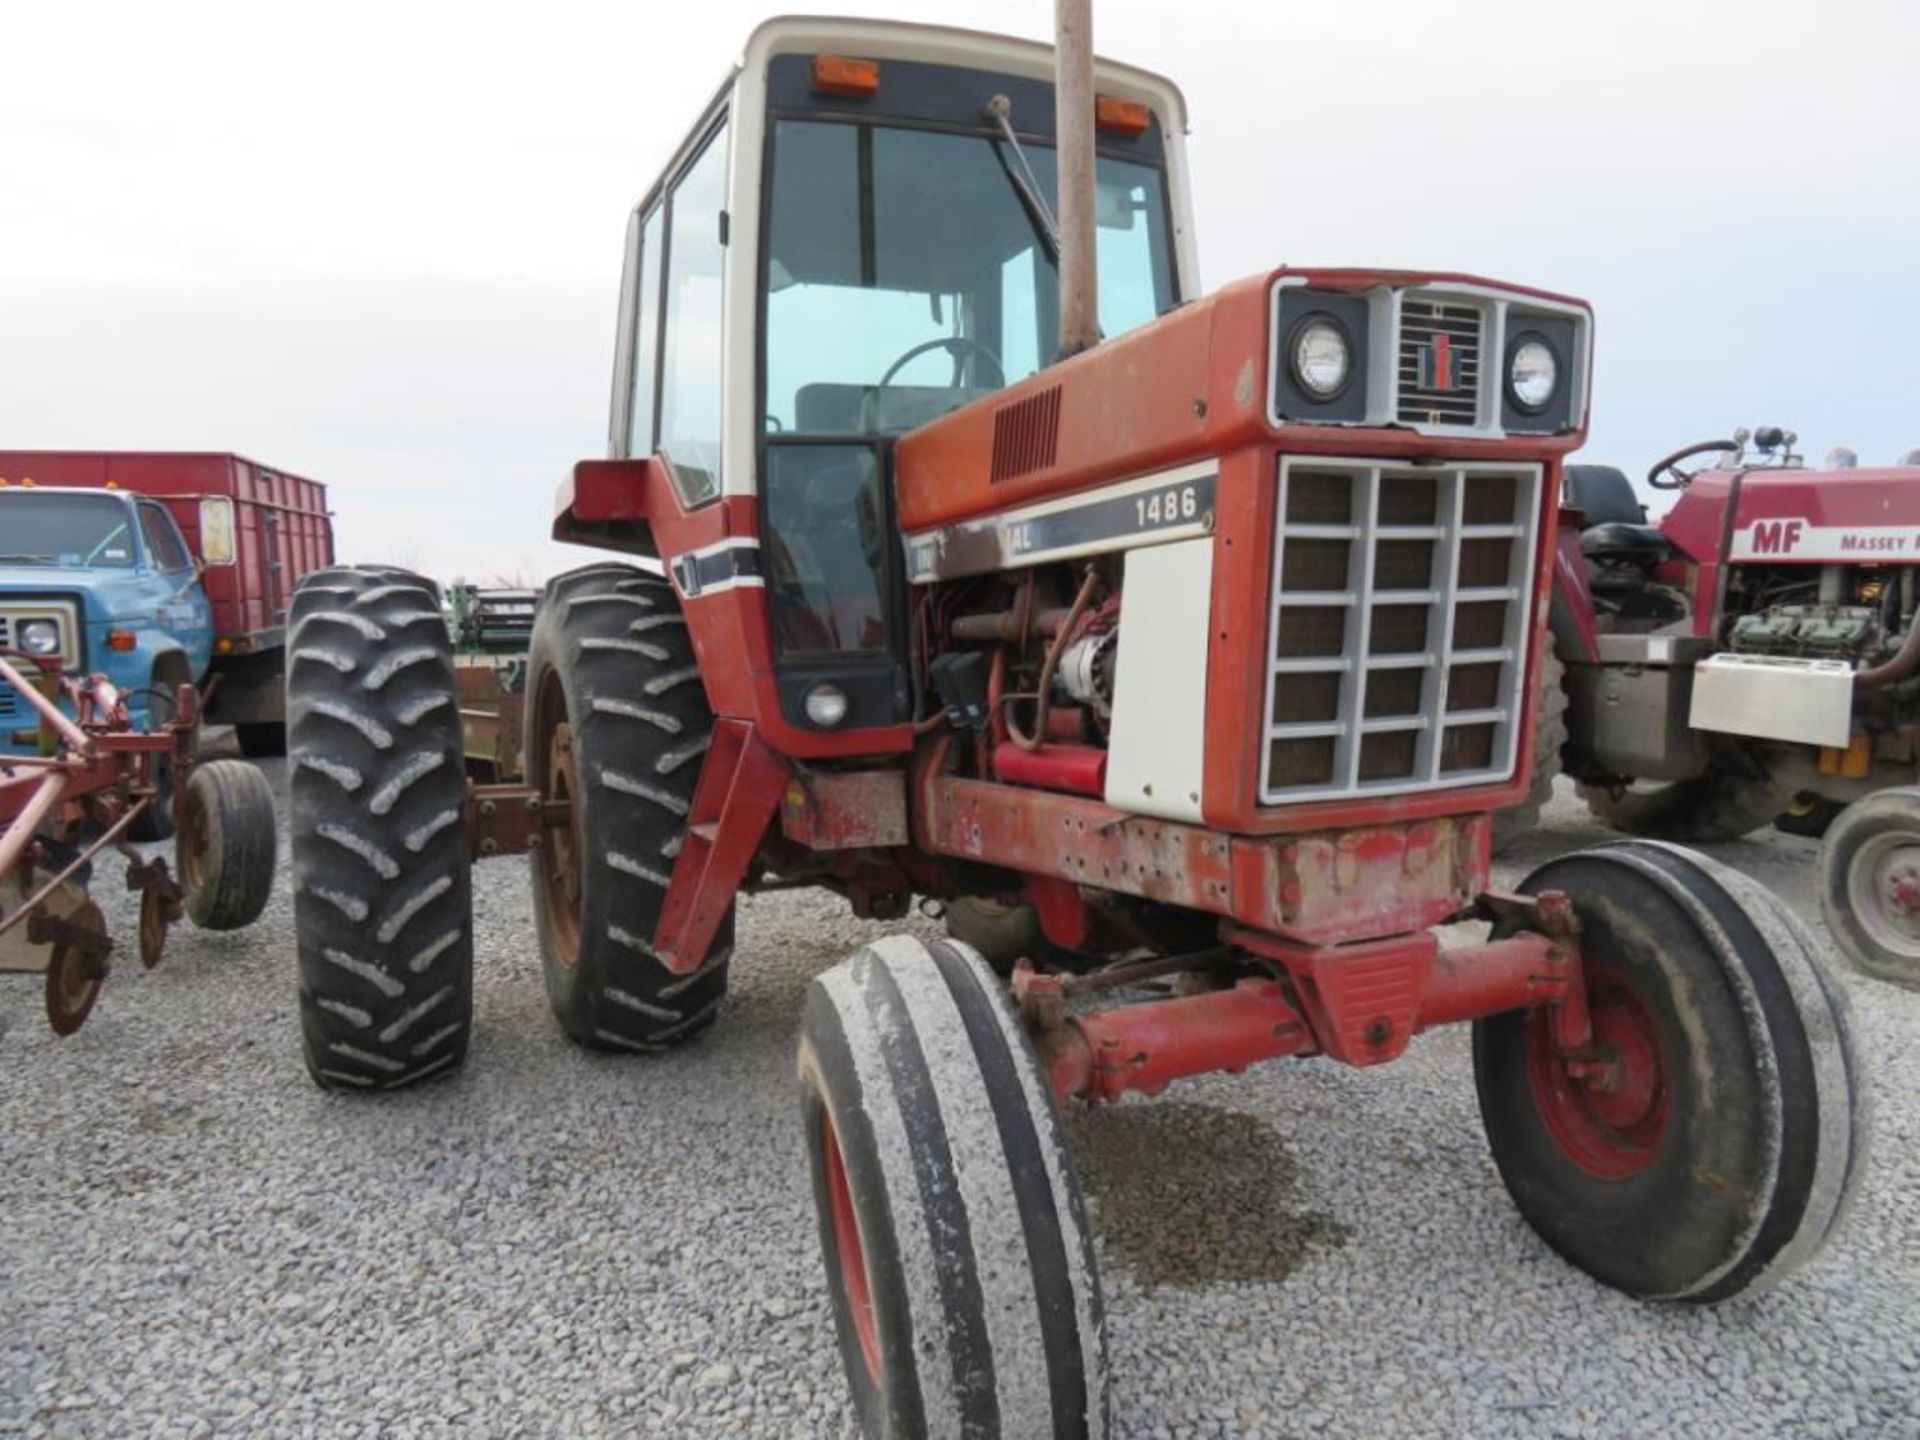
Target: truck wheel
(1549,737)
(261,739)
(1713,806)
(1870,884)
(617,726)
(156,821)
(1728,1149)
(382,898)
(225,850)
(959,1269)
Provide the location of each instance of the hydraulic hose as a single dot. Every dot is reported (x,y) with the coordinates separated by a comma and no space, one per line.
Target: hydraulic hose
(1058,645)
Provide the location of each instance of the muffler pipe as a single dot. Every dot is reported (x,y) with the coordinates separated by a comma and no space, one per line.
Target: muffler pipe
(1073,127)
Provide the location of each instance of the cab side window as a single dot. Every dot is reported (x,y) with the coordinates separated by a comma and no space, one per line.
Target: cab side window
(692,380)
(646,340)
(165,549)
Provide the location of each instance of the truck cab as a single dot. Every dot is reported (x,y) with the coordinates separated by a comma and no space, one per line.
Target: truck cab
(102,580)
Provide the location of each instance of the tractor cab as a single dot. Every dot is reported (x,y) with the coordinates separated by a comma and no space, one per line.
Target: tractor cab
(858,238)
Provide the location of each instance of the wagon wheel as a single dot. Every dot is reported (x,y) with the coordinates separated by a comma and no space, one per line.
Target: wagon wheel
(73,977)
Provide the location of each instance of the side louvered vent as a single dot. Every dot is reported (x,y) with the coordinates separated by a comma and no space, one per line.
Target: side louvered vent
(1026,435)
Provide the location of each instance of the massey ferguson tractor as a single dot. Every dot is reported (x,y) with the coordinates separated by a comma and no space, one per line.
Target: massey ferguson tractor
(1756,652)
(1185,667)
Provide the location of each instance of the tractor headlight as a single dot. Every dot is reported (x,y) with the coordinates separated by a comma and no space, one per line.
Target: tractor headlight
(1533,374)
(826,705)
(1320,356)
(38,637)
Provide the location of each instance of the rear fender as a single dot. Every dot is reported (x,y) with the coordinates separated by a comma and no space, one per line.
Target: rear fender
(611,505)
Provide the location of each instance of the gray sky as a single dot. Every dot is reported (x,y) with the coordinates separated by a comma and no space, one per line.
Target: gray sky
(379,244)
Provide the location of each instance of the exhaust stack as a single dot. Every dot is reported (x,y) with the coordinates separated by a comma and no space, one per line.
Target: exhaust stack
(1073,124)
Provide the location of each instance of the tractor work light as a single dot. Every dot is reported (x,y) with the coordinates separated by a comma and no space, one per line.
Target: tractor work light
(1533,374)
(1320,356)
(826,705)
(40,637)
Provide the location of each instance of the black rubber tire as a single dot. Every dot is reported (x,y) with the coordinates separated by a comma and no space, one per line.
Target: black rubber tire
(1549,738)
(947,1164)
(1809,815)
(1712,806)
(229,808)
(611,658)
(378,823)
(1886,817)
(261,739)
(1764,1141)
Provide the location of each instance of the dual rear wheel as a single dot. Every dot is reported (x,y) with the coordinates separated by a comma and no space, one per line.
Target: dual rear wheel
(617,726)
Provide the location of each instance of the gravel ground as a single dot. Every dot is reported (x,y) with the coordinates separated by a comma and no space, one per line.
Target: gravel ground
(199,1242)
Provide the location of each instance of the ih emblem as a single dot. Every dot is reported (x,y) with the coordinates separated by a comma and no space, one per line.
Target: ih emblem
(1438,370)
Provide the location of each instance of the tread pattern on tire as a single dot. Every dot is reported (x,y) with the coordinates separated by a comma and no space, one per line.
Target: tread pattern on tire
(615,639)
(969,1212)
(1549,738)
(242,840)
(381,870)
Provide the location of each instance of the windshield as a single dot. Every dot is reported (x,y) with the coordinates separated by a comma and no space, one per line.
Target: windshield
(71,530)
(906,278)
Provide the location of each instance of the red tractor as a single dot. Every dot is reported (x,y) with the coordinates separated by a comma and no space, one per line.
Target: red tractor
(1754,655)
(1185,668)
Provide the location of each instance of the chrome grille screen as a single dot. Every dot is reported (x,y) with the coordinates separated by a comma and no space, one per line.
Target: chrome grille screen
(1439,361)
(1402,599)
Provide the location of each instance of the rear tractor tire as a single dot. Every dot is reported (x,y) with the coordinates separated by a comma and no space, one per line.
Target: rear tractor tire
(1549,738)
(959,1268)
(381,869)
(225,850)
(1727,1148)
(1870,884)
(617,727)
(1714,806)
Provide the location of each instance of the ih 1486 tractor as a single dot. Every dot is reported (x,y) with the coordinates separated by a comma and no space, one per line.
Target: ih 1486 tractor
(1756,651)
(1186,667)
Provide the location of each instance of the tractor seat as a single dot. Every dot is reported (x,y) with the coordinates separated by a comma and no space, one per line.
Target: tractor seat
(1604,495)
(1618,543)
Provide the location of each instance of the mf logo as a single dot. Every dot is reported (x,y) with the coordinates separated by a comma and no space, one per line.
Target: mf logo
(1776,537)
(1437,368)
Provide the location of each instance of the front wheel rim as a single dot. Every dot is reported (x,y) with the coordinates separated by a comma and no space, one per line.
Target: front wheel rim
(856,1290)
(1612,1133)
(1883,891)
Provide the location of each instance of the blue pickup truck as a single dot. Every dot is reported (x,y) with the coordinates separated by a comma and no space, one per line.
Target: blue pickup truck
(156,571)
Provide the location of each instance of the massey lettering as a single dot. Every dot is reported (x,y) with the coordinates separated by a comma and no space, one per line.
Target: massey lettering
(1858,543)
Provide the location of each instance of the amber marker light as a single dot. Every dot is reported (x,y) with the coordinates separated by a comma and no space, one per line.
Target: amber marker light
(1125,117)
(838,75)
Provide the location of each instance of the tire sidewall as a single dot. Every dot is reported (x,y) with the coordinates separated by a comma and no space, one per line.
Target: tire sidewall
(1886,812)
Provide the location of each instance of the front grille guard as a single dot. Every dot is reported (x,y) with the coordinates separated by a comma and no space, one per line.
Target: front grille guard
(1401,605)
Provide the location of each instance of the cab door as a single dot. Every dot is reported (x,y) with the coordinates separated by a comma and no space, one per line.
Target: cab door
(182,609)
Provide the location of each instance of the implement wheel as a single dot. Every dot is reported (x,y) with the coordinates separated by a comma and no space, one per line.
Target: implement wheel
(225,850)
(1870,884)
(73,977)
(382,900)
(617,727)
(1723,1150)
(958,1263)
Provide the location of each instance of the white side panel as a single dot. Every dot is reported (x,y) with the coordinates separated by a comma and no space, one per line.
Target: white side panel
(1774,698)
(1158,745)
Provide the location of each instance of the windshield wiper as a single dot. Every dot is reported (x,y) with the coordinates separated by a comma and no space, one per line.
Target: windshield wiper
(999,110)
(27,559)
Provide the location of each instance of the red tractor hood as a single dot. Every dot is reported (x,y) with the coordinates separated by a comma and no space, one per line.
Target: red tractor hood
(1812,517)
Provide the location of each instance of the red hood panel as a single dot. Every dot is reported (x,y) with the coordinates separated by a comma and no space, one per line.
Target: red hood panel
(1822,516)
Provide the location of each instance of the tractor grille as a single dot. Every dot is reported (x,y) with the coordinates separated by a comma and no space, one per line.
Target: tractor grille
(1439,361)
(1401,606)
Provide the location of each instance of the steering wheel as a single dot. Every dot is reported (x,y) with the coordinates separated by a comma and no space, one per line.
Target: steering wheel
(954,345)
(1682,478)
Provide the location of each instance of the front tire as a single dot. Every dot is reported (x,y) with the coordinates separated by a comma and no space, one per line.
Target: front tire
(958,1262)
(377,815)
(1870,884)
(1728,1150)
(617,727)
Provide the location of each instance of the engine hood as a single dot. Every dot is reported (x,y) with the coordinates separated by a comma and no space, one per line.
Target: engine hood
(1827,516)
